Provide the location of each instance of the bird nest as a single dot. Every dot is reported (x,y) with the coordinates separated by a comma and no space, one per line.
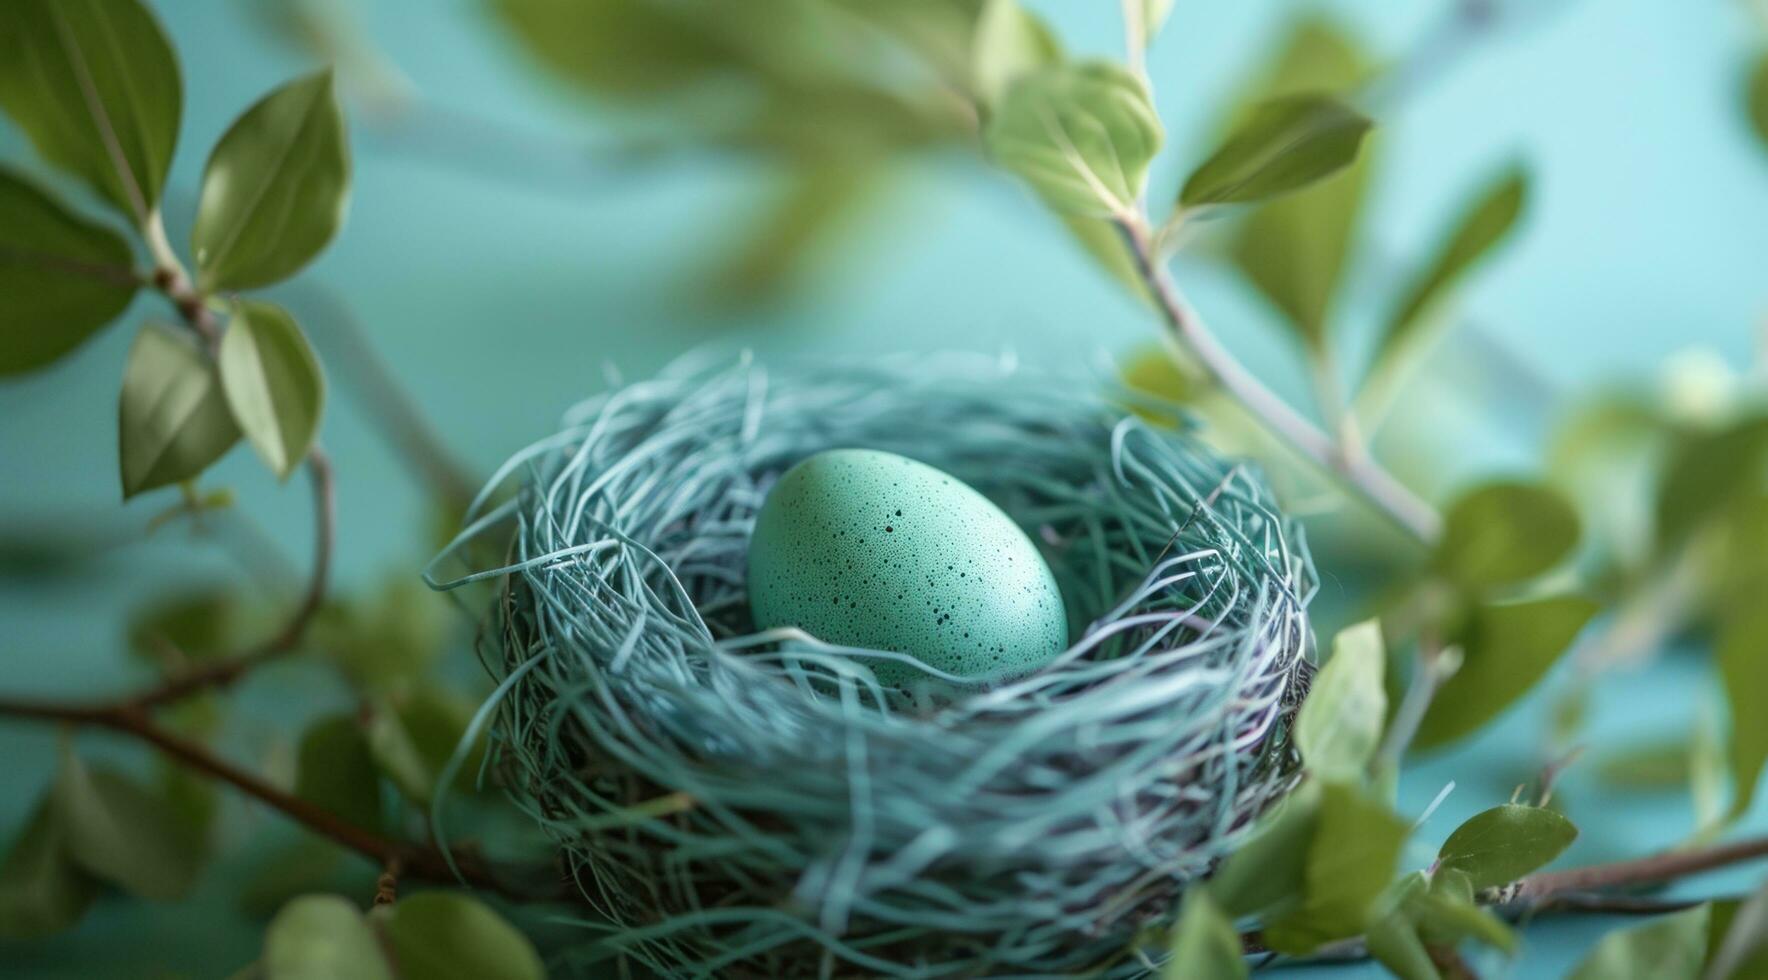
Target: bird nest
(741,803)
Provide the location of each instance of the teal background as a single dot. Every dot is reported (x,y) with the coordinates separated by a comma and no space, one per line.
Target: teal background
(503,281)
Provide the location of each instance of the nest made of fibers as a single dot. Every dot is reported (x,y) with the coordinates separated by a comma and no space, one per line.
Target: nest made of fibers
(734,803)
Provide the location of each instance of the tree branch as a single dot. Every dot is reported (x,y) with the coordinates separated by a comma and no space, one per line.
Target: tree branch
(1656,869)
(1387,495)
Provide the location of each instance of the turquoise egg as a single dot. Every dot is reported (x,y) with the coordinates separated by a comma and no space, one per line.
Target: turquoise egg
(870,549)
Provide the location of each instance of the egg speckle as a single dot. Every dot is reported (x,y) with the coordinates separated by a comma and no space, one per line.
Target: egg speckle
(870,549)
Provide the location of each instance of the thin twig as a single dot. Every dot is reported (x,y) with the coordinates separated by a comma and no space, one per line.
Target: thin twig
(1389,497)
(1656,869)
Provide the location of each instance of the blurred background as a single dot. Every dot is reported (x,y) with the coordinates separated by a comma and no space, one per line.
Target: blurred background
(532,220)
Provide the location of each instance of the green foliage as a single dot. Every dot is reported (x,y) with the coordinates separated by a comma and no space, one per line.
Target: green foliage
(120,832)
(42,890)
(1756,98)
(1668,948)
(197,624)
(95,86)
(322,937)
(1350,862)
(452,936)
(173,419)
(274,189)
(412,737)
(385,643)
(1742,650)
(1507,647)
(63,277)
(1010,41)
(1294,248)
(1503,533)
(1340,722)
(1285,145)
(1657,765)
(335,769)
(1498,846)
(1737,938)
(1706,472)
(1483,226)
(1082,135)
(273,383)
(1205,943)
(1267,870)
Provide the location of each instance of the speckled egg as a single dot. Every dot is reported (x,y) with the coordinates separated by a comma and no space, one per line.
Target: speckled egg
(870,549)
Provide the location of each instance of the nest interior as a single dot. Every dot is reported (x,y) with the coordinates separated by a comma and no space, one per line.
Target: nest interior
(755,804)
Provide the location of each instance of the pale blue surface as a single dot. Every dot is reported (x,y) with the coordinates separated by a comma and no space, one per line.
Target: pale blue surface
(500,301)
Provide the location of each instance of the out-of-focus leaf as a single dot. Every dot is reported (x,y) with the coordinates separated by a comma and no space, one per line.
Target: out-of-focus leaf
(119,831)
(798,231)
(336,770)
(42,891)
(305,865)
(322,937)
(1507,648)
(384,644)
(396,754)
(1647,766)
(1706,472)
(1737,938)
(198,625)
(173,419)
(1267,871)
(1742,650)
(1351,861)
(629,49)
(63,277)
(1285,145)
(193,800)
(95,86)
(453,936)
(1082,135)
(1481,227)
(411,740)
(1340,722)
(1010,41)
(273,383)
(1668,948)
(1500,845)
(1757,100)
(1394,943)
(1604,455)
(1293,249)
(1447,913)
(1154,15)
(1205,942)
(275,188)
(1503,533)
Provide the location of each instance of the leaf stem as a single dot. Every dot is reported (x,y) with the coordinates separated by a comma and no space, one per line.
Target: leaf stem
(1386,494)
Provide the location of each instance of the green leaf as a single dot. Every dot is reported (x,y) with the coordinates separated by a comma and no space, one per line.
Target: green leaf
(95,86)
(1668,948)
(1268,869)
(1503,533)
(1340,722)
(1446,913)
(1009,42)
(1658,765)
(396,754)
(173,419)
(412,738)
(1498,846)
(1082,135)
(275,188)
(273,383)
(1742,650)
(198,625)
(1706,472)
(1285,145)
(452,936)
(336,770)
(322,937)
(1394,943)
(386,643)
(122,833)
(1294,249)
(1483,225)
(42,891)
(627,49)
(1205,942)
(63,277)
(1756,102)
(1351,861)
(1507,648)
(1737,938)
